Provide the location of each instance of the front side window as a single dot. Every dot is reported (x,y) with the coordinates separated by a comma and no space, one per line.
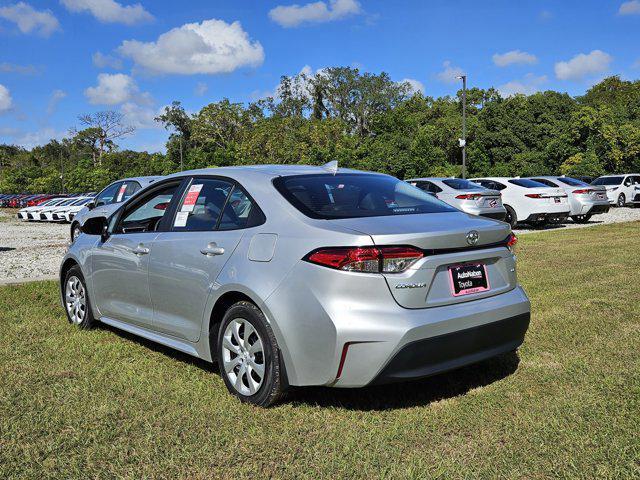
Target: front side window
(146,215)
(353,195)
(108,194)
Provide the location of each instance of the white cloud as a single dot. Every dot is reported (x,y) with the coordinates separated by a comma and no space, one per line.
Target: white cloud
(630,8)
(316,12)
(583,65)
(527,86)
(201,89)
(514,57)
(30,20)
(106,61)
(39,137)
(450,72)
(5,99)
(20,69)
(54,99)
(212,46)
(110,11)
(416,85)
(140,116)
(112,89)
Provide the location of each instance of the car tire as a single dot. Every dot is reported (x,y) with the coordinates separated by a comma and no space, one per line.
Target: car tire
(511,218)
(622,200)
(76,299)
(581,218)
(76,230)
(249,357)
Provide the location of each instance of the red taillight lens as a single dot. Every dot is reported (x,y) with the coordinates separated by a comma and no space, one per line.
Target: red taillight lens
(533,195)
(468,196)
(367,259)
(583,190)
(511,241)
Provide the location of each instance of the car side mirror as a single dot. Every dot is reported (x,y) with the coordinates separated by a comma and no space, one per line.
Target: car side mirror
(97,226)
(91,205)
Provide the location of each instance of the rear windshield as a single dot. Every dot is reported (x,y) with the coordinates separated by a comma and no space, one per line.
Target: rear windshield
(353,195)
(460,184)
(574,182)
(526,183)
(607,181)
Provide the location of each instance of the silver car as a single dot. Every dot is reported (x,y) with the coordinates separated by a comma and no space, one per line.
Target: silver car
(464,195)
(108,200)
(293,275)
(585,200)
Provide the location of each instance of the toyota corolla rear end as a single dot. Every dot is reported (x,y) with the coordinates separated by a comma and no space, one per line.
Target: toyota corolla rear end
(397,286)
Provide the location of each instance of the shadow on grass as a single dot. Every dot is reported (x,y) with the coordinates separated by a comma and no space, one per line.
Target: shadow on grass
(384,397)
(410,394)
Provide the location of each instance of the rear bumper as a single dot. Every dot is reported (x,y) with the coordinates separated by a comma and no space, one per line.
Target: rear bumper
(547,217)
(495,215)
(442,353)
(600,208)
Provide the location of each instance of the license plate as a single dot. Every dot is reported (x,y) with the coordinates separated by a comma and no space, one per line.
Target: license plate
(601,196)
(557,199)
(468,278)
(493,203)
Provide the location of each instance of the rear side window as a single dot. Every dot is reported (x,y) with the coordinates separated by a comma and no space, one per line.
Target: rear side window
(526,183)
(129,189)
(428,187)
(214,204)
(108,195)
(573,182)
(353,195)
(548,183)
(460,184)
(608,181)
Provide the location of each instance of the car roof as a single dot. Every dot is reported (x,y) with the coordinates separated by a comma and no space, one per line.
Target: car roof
(618,175)
(437,179)
(247,171)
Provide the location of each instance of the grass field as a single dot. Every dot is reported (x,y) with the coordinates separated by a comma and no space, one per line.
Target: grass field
(76,404)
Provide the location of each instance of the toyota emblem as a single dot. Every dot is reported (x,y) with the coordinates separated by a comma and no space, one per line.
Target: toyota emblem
(472,237)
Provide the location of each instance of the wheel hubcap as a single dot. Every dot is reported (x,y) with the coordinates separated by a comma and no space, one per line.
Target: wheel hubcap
(243,356)
(75,300)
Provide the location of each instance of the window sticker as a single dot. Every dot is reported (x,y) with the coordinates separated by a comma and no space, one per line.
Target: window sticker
(123,187)
(190,200)
(181,219)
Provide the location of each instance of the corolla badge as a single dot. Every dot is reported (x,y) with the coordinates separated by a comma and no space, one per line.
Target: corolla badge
(472,237)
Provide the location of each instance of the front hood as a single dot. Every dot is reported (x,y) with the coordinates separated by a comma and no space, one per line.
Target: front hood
(429,230)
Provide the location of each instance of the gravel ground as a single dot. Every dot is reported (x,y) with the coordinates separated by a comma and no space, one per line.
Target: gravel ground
(30,250)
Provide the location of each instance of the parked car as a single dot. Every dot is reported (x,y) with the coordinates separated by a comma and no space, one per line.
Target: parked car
(636,196)
(45,214)
(60,213)
(107,201)
(585,200)
(471,198)
(620,188)
(24,212)
(528,201)
(290,275)
(33,213)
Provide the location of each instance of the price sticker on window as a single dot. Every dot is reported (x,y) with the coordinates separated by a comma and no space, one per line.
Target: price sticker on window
(123,187)
(181,219)
(191,198)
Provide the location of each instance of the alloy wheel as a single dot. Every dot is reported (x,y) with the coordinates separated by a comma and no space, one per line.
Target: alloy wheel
(621,200)
(243,356)
(75,300)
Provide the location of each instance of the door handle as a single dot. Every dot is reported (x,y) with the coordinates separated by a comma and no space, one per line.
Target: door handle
(212,249)
(140,250)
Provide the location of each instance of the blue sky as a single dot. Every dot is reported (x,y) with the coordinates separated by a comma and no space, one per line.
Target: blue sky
(59,59)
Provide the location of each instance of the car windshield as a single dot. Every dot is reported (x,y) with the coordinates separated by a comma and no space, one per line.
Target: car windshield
(526,183)
(607,181)
(68,202)
(574,182)
(460,184)
(351,195)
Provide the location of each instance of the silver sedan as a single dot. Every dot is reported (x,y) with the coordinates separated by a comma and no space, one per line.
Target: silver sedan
(295,275)
(464,195)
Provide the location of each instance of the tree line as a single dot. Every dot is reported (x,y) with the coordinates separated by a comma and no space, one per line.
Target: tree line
(363,120)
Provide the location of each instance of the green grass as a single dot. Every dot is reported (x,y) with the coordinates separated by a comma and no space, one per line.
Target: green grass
(76,404)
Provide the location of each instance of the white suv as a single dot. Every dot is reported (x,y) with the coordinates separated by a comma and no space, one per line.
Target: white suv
(528,201)
(621,189)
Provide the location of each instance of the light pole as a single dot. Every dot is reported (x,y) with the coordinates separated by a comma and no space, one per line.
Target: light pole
(463,140)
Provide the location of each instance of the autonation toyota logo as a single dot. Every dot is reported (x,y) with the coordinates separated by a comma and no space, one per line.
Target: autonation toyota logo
(472,237)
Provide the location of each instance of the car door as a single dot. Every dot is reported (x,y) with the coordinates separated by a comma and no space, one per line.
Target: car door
(206,228)
(120,264)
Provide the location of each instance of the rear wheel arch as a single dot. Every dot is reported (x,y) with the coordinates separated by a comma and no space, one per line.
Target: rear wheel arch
(221,306)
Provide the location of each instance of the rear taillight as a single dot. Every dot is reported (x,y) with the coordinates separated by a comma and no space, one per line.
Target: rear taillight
(366,259)
(533,195)
(468,196)
(583,191)
(511,241)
